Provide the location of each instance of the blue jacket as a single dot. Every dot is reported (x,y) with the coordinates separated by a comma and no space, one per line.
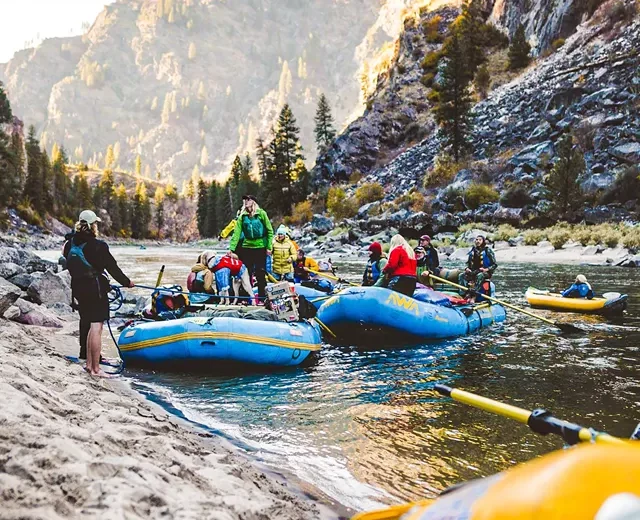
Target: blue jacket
(482,258)
(579,290)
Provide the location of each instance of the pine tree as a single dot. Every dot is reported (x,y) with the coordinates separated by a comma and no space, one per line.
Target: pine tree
(204,157)
(261,155)
(562,182)
(247,163)
(519,50)
(140,212)
(83,191)
(138,166)
(61,183)
(325,133)
(123,210)
(47,182)
(159,216)
(109,159)
(469,29)
(33,192)
(8,188)
(482,81)
(213,224)
(6,115)
(201,211)
(454,104)
(104,193)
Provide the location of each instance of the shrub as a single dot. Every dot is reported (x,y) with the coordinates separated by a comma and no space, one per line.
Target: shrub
(301,213)
(369,193)
(427,79)
(27,213)
(355,177)
(401,68)
(583,235)
(505,232)
(471,225)
(338,205)
(443,171)
(478,194)
(533,236)
(559,236)
(516,196)
(631,239)
(558,43)
(431,32)
(430,61)
(626,186)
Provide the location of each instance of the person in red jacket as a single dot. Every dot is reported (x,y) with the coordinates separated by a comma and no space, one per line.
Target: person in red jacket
(400,271)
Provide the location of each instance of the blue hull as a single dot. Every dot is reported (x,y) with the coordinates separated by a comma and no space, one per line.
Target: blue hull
(215,341)
(315,297)
(361,315)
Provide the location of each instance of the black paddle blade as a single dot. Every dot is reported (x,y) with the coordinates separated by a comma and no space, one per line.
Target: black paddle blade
(568,328)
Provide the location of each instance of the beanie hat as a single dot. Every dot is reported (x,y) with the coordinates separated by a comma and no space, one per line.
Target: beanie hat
(376,248)
(282,230)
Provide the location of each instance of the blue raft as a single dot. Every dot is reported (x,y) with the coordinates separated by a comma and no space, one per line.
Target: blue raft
(372,315)
(214,342)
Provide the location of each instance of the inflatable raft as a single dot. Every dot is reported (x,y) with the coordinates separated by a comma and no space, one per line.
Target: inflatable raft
(209,342)
(611,304)
(371,315)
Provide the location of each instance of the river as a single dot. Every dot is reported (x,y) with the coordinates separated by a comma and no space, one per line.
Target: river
(365,426)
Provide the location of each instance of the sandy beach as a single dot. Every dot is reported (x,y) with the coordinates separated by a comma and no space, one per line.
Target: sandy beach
(76,447)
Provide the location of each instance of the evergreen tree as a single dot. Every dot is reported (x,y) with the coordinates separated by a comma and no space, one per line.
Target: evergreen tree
(482,81)
(61,183)
(201,211)
(83,193)
(325,133)
(47,182)
(519,50)
(6,115)
(159,217)
(33,192)
(104,193)
(138,170)
(8,187)
(562,182)
(469,28)
(261,154)
(110,158)
(123,210)
(140,212)
(213,224)
(247,163)
(454,101)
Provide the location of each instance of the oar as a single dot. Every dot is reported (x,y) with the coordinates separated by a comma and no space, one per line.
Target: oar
(331,277)
(566,327)
(540,421)
(160,274)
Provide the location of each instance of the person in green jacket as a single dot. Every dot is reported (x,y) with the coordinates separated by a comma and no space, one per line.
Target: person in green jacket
(253,224)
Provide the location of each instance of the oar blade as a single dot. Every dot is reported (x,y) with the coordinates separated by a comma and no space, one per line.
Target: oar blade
(569,328)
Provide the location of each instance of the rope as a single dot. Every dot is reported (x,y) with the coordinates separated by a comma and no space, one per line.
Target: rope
(176,291)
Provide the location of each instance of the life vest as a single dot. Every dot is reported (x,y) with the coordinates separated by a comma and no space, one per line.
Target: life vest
(430,261)
(372,271)
(77,263)
(166,299)
(484,261)
(253,227)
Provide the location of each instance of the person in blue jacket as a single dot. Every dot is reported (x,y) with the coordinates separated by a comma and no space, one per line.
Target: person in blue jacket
(481,264)
(580,289)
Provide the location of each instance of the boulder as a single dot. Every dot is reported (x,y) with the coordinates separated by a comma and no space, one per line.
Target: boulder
(627,152)
(10,269)
(61,309)
(28,260)
(9,293)
(321,225)
(31,314)
(470,236)
(461,253)
(24,280)
(51,288)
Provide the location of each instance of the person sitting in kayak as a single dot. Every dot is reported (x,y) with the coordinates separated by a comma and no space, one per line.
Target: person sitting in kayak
(400,271)
(303,267)
(580,289)
(375,265)
(481,264)
(284,254)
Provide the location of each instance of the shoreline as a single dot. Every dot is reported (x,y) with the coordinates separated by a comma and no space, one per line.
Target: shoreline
(77,446)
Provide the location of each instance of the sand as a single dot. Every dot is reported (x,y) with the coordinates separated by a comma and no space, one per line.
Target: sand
(72,446)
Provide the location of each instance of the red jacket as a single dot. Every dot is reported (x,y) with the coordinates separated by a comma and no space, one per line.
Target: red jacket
(400,264)
(229,263)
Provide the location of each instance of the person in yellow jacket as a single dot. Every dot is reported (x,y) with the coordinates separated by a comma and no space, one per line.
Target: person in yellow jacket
(284,254)
(228,230)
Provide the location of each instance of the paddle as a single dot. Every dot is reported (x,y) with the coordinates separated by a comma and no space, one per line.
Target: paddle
(160,274)
(565,327)
(331,277)
(540,421)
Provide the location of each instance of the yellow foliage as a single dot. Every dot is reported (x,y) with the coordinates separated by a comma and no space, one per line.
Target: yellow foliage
(369,193)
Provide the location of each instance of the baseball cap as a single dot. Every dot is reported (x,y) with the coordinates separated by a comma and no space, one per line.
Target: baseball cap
(425,237)
(89,217)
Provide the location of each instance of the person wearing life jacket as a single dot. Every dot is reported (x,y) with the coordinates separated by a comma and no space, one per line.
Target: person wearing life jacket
(431,254)
(200,280)
(400,271)
(227,270)
(253,222)
(421,263)
(375,265)
(580,289)
(481,264)
(284,255)
(87,260)
(302,267)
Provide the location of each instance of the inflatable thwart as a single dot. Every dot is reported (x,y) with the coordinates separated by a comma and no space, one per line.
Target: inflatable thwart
(207,342)
(358,315)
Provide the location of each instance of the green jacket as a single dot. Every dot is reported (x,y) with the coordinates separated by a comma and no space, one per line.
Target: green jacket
(257,231)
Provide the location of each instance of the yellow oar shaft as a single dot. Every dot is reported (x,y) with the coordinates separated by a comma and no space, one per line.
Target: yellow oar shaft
(506,410)
(331,277)
(491,298)
(160,274)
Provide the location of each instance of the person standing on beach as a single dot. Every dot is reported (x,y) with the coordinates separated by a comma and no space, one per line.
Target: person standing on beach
(87,259)
(253,224)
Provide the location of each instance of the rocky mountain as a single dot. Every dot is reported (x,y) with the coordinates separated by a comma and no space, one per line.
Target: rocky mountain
(192,82)
(590,86)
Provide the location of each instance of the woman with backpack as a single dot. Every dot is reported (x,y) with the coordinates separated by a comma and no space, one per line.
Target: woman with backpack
(253,224)
(87,259)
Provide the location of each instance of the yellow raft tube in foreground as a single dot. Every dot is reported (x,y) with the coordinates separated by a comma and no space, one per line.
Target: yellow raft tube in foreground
(590,481)
(616,304)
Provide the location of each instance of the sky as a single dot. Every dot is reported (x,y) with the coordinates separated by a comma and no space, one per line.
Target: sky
(25,20)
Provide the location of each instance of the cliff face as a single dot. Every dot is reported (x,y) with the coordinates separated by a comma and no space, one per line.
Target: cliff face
(191,82)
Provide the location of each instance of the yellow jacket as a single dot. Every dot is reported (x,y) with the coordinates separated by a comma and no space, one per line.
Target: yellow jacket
(204,275)
(284,253)
(229,229)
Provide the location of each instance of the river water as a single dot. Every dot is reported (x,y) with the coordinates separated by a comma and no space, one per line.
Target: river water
(366,427)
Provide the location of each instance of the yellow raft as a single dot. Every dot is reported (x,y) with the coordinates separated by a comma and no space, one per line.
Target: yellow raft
(584,482)
(610,304)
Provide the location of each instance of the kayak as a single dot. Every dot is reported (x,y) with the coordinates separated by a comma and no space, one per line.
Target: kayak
(580,483)
(211,342)
(373,316)
(612,303)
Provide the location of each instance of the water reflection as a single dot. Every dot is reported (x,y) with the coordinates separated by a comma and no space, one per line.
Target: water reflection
(366,427)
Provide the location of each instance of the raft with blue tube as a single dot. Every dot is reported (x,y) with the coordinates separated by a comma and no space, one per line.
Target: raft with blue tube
(362,315)
(209,342)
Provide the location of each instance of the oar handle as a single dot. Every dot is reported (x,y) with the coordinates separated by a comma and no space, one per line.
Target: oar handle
(540,421)
(491,298)
(160,274)
(331,277)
